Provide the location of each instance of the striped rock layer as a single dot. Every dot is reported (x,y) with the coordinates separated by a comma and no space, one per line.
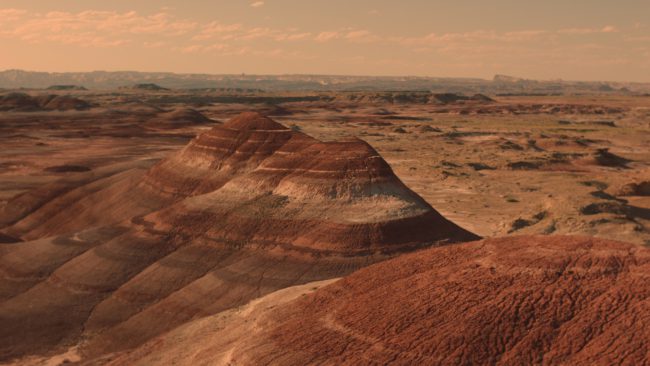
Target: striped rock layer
(247,208)
(525,300)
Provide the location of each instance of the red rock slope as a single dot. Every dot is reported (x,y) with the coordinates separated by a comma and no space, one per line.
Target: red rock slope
(545,300)
(245,209)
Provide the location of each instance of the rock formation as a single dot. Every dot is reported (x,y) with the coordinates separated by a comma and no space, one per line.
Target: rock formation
(178,118)
(144,87)
(416,97)
(246,208)
(512,301)
(641,188)
(21,102)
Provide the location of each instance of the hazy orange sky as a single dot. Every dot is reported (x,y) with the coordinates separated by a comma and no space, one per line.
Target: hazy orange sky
(568,39)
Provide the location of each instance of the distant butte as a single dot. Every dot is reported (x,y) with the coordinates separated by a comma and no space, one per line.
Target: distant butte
(245,209)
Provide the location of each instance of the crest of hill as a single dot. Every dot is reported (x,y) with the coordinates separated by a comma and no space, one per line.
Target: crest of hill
(511,301)
(66,103)
(188,114)
(22,102)
(507,79)
(66,87)
(144,86)
(411,97)
(253,121)
(177,118)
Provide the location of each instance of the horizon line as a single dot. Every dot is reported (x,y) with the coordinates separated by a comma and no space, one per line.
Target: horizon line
(333,75)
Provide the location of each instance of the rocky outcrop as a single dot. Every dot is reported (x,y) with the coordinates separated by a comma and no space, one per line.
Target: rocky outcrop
(641,188)
(178,118)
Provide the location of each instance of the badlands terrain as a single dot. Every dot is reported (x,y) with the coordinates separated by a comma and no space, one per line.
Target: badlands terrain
(147,225)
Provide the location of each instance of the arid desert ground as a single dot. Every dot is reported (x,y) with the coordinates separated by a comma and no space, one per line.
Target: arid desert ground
(152,226)
(518,165)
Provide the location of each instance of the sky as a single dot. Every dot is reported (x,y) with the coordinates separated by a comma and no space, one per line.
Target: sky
(607,40)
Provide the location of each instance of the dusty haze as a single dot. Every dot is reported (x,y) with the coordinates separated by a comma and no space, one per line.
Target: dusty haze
(582,40)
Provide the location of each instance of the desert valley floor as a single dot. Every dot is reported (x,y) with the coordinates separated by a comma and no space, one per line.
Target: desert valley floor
(134,224)
(522,165)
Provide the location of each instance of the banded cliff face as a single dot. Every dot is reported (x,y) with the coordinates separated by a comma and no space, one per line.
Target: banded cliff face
(266,184)
(247,208)
(219,155)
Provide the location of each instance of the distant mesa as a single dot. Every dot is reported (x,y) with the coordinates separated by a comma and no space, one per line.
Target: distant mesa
(606,88)
(178,118)
(246,208)
(524,300)
(233,90)
(482,98)
(22,102)
(207,83)
(274,110)
(66,87)
(498,78)
(415,97)
(144,87)
(447,98)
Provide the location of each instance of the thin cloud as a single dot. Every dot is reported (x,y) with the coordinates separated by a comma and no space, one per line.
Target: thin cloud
(90,28)
(216,29)
(327,36)
(11,14)
(609,29)
(578,31)
(257,4)
(158,44)
(167,32)
(361,36)
(294,36)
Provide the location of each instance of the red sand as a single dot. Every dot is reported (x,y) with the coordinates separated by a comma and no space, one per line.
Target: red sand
(508,301)
(518,300)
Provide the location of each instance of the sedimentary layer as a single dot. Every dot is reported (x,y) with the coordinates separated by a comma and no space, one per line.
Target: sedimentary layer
(544,300)
(247,208)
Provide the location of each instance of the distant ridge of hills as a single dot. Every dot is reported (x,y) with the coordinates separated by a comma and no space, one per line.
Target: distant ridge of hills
(500,84)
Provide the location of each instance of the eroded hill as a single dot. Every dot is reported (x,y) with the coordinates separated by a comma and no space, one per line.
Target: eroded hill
(510,301)
(245,209)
